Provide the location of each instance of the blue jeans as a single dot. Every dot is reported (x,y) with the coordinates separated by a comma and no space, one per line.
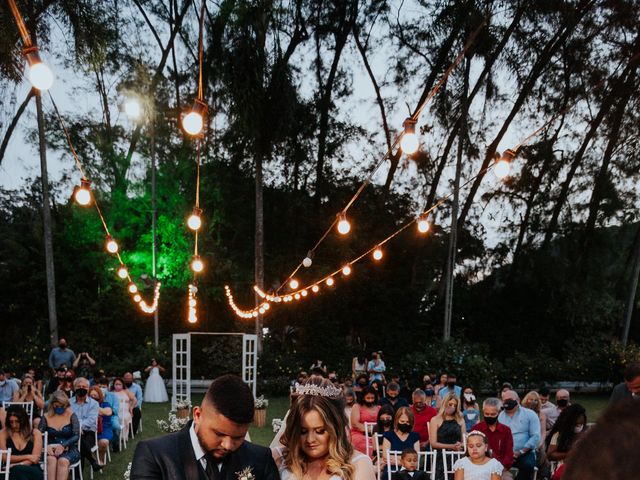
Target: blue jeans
(525,465)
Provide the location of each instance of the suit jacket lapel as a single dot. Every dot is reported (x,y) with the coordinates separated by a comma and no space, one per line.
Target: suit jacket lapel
(192,468)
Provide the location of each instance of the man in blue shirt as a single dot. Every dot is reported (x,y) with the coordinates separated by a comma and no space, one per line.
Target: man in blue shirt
(61,355)
(525,429)
(451,387)
(87,410)
(376,368)
(137,391)
(7,387)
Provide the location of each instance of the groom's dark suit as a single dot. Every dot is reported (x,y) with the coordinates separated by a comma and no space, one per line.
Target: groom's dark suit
(172,457)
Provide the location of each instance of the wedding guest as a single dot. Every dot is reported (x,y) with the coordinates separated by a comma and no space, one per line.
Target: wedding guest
(87,411)
(630,387)
(54,383)
(470,409)
(477,465)
(392,397)
(563,400)
(364,411)
(61,356)
(7,387)
(498,435)
(402,436)
(29,393)
(442,383)
(126,402)
(134,388)
(525,429)
(358,365)
(83,365)
(569,427)
(447,429)
(105,412)
(63,430)
(422,414)
(376,368)
(409,467)
(25,443)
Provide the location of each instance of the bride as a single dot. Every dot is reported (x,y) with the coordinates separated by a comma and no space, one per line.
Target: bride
(154,390)
(315,443)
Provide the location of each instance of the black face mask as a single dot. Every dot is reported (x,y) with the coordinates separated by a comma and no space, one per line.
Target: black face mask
(386,423)
(81,392)
(429,393)
(368,404)
(405,427)
(562,402)
(62,346)
(363,384)
(510,404)
(451,384)
(127,384)
(392,397)
(491,420)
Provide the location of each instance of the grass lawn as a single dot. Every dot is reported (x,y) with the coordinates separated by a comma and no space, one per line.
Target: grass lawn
(595,405)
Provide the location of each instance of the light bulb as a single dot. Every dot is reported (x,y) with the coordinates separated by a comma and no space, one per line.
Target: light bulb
(193,122)
(343,224)
(377,254)
(307,261)
(133,288)
(330,281)
(266,306)
(194,221)
(137,298)
(111,245)
(261,310)
(501,169)
(409,142)
(346,270)
(192,302)
(83,193)
(315,289)
(132,108)
(254,314)
(293,284)
(304,293)
(122,272)
(196,264)
(297,296)
(40,76)
(423,224)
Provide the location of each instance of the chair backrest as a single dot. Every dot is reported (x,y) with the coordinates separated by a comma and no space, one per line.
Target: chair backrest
(45,444)
(427,462)
(393,462)
(27,406)
(5,462)
(368,435)
(449,457)
(376,443)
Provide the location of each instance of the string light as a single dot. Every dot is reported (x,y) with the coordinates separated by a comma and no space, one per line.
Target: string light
(344,226)
(192,304)
(196,264)
(346,270)
(293,284)
(409,142)
(195,220)
(137,298)
(82,193)
(111,245)
(308,260)
(132,108)
(502,166)
(123,272)
(132,288)
(330,281)
(315,289)
(304,293)
(377,254)
(153,307)
(423,224)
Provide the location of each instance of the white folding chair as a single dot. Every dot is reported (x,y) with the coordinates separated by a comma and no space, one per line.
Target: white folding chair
(43,463)
(94,449)
(125,425)
(393,462)
(5,463)
(376,443)
(77,465)
(368,435)
(449,457)
(427,462)
(27,406)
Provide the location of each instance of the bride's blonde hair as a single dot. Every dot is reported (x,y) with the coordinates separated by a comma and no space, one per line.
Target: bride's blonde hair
(331,410)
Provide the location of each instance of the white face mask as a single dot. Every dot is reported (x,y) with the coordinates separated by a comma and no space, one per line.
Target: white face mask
(578,428)
(2,383)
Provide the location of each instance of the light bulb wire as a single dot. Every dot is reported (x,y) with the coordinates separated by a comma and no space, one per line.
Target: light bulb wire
(201,51)
(197,192)
(22,28)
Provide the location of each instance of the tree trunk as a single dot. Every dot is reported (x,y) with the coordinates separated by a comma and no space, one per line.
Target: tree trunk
(14,123)
(259,243)
(47,228)
(633,288)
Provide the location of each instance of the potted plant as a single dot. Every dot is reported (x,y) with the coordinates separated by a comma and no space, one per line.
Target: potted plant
(260,416)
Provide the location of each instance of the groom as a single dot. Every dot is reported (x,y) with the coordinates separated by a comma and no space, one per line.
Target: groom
(212,447)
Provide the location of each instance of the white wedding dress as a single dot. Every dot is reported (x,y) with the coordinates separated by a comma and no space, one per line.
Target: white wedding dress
(154,390)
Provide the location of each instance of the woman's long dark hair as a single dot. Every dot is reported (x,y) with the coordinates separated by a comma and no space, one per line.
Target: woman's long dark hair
(23,420)
(565,425)
(385,409)
(367,391)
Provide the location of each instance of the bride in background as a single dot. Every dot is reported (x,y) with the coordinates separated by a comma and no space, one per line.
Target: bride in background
(315,444)
(154,390)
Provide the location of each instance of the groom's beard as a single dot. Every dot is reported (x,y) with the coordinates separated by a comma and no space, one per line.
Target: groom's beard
(218,453)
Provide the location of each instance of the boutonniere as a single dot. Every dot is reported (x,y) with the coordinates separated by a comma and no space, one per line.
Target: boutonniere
(245,474)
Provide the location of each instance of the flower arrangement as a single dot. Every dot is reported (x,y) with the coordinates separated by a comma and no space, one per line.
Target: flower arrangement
(182,404)
(245,474)
(127,472)
(276,424)
(173,424)
(261,403)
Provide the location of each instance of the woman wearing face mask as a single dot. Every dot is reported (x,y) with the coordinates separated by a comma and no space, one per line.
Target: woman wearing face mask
(532,401)
(105,431)
(25,444)
(402,436)
(430,394)
(66,385)
(446,430)
(63,430)
(366,410)
(361,382)
(470,408)
(29,393)
(383,424)
(127,401)
(315,443)
(568,429)
(442,384)
(350,399)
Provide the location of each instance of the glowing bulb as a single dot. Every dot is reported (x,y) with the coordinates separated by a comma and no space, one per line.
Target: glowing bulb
(423,224)
(297,296)
(132,108)
(346,270)
(304,293)
(293,284)
(133,288)
(501,169)
(409,142)
(137,298)
(266,306)
(344,226)
(307,261)
(330,281)
(40,76)
(192,302)
(111,245)
(196,264)
(83,193)
(122,272)
(195,220)
(315,289)
(261,310)
(193,122)
(254,314)
(377,254)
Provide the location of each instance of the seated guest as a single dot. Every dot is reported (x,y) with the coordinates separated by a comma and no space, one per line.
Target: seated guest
(63,430)
(54,383)
(525,429)
(349,400)
(7,386)
(37,382)
(113,402)
(105,433)
(442,383)
(477,464)
(451,387)
(409,467)
(383,425)
(569,427)
(532,401)
(66,385)
(422,414)
(402,436)
(563,400)
(470,410)
(86,409)
(134,388)
(29,393)
(25,444)
(446,430)
(498,435)
(366,410)
(392,397)
(361,382)
(127,401)
(431,398)
(545,404)
(83,365)
(630,388)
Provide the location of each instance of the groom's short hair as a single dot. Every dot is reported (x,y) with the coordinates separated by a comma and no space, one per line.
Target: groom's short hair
(232,398)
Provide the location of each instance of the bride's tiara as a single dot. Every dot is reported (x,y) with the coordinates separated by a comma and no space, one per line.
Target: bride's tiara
(311,389)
